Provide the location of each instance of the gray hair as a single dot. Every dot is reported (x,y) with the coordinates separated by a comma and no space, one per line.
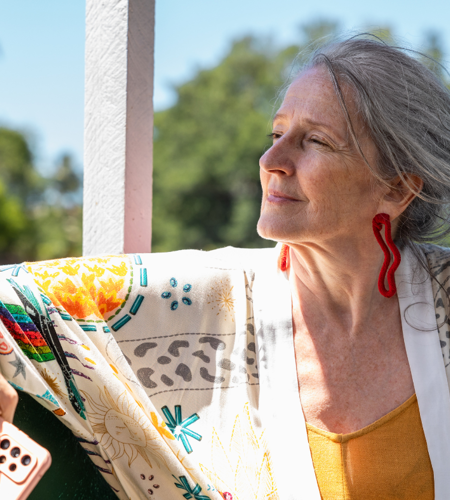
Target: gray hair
(406,109)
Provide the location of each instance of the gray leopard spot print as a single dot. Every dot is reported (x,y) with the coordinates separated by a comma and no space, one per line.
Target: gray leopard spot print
(144,375)
(202,356)
(245,358)
(166,380)
(229,364)
(184,372)
(226,364)
(439,264)
(141,350)
(175,346)
(216,344)
(194,360)
(210,378)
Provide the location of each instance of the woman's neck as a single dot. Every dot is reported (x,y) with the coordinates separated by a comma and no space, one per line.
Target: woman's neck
(340,281)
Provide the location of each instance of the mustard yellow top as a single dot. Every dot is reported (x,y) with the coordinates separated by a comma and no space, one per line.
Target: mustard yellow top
(386,460)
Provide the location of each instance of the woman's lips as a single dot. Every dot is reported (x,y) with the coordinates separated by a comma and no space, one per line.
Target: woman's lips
(279,197)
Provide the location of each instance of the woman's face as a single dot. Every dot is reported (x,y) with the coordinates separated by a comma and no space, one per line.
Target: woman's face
(316,185)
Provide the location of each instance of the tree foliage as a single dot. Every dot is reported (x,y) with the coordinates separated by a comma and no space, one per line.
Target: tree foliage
(40,217)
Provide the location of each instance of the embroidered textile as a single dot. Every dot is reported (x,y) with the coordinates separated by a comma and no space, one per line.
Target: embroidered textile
(151,361)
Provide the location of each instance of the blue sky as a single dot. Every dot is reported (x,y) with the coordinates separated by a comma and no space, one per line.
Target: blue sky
(42,50)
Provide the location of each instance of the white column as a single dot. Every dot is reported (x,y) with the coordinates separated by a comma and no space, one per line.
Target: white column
(118,136)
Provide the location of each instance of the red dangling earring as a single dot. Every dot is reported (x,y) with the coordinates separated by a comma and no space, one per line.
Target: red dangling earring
(283,259)
(377,223)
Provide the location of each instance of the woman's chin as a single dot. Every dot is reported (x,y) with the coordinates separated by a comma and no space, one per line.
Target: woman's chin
(272,228)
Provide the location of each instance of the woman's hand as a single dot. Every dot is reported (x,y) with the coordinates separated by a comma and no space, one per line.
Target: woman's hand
(8,400)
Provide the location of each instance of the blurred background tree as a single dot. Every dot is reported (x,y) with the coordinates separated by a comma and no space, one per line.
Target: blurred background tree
(206,152)
(40,217)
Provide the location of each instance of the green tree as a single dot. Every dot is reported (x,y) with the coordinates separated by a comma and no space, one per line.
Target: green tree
(40,218)
(17,169)
(434,55)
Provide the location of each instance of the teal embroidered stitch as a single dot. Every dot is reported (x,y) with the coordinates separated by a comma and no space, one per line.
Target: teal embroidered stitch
(191,492)
(185,300)
(179,427)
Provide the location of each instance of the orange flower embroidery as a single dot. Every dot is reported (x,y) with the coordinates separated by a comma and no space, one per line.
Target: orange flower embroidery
(161,427)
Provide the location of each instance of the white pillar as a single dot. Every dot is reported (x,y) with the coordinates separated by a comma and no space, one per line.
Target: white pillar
(118,126)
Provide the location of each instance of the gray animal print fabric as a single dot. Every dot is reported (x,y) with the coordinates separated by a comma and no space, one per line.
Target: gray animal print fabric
(438,259)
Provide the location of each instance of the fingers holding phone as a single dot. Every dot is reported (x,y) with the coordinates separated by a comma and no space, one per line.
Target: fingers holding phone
(22,460)
(8,400)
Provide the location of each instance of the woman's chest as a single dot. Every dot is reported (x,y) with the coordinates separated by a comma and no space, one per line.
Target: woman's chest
(347,382)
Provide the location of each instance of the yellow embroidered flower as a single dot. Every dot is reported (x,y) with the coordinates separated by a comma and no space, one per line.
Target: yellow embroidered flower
(161,428)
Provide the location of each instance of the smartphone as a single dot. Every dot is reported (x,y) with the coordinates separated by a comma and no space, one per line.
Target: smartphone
(22,462)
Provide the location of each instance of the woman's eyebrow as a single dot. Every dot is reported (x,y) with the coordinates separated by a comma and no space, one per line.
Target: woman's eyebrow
(316,123)
(308,120)
(320,123)
(279,116)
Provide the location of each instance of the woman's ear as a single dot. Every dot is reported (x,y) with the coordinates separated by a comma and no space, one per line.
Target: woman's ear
(400,194)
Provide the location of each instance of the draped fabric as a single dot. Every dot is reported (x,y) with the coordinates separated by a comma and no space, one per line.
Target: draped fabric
(151,361)
(176,372)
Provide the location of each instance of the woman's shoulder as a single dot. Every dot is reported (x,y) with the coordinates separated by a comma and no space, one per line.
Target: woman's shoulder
(438,250)
(438,258)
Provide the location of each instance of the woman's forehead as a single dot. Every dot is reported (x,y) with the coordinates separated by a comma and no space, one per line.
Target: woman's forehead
(312,92)
(312,98)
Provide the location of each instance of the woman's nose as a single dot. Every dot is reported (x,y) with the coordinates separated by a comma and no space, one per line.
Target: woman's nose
(277,160)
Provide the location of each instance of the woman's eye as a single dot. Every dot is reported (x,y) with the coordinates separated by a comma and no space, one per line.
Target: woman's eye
(317,141)
(274,135)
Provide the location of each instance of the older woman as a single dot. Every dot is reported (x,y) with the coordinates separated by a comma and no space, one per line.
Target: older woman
(363,130)
(309,371)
